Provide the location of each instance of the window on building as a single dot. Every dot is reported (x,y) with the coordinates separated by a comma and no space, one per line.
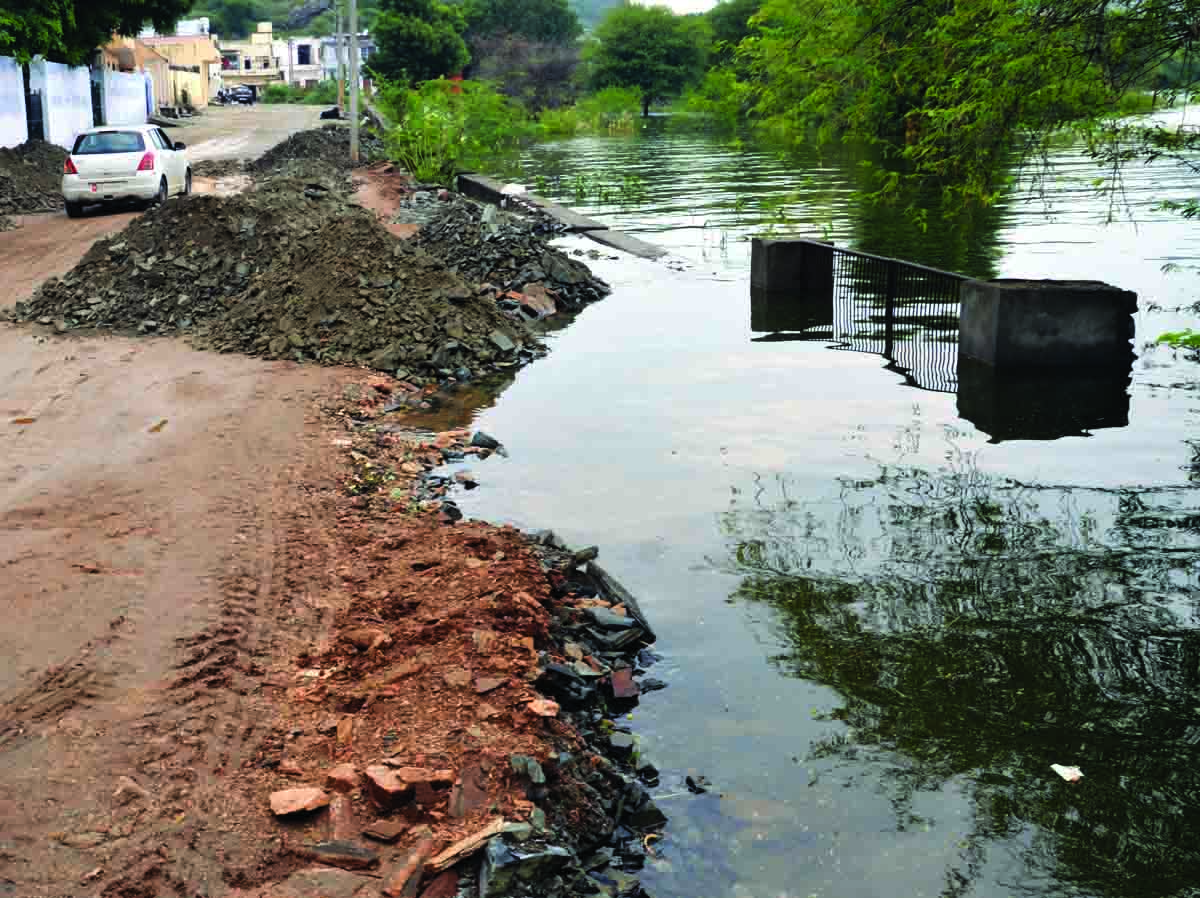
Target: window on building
(247,63)
(304,54)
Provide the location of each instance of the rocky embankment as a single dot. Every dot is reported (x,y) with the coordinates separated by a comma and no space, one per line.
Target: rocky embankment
(460,732)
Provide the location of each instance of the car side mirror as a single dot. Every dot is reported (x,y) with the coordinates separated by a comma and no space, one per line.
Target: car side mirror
(180,145)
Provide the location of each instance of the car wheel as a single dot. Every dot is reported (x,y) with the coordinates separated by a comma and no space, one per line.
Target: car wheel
(187,183)
(161,196)
(74,210)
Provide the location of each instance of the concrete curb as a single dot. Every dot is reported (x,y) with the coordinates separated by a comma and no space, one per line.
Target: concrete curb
(481,187)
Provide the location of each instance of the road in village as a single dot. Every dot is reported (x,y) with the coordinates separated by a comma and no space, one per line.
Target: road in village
(144,491)
(47,245)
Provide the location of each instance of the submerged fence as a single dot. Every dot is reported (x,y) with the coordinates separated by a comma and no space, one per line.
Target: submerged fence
(860,302)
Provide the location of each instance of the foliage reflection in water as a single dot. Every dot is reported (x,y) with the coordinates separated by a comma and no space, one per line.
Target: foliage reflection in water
(977,630)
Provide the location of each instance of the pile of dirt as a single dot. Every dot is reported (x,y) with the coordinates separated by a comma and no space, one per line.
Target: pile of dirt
(218,168)
(487,245)
(291,269)
(329,146)
(31,177)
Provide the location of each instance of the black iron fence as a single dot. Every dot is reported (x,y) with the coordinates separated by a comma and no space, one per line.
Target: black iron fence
(905,312)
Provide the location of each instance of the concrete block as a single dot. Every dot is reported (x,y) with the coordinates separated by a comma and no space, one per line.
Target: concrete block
(1042,404)
(1047,324)
(804,266)
(775,311)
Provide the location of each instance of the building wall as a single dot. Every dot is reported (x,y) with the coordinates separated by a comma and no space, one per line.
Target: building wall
(124,97)
(67,100)
(189,87)
(198,52)
(290,53)
(13,129)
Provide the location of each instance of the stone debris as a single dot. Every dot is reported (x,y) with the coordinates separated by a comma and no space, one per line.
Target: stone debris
(386,830)
(466,847)
(328,147)
(31,178)
(344,854)
(281,273)
(343,778)
(403,880)
(296,801)
(509,253)
(343,825)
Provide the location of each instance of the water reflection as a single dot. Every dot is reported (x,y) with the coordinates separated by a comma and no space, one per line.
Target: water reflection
(977,631)
(704,198)
(908,314)
(1037,405)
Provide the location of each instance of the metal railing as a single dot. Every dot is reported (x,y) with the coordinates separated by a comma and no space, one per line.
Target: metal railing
(905,312)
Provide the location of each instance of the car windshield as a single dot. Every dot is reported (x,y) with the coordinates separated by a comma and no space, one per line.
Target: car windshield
(109,142)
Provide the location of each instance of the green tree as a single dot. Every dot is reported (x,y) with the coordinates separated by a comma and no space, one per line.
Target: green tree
(234,18)
(418,40)
(730,23)
(66,31)
(650,48)
(549,21)
(954,88)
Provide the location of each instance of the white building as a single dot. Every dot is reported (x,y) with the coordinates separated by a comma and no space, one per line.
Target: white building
(366,47)
(183,28)
(299,60)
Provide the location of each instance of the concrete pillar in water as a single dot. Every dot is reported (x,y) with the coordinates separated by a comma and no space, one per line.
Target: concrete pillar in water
(1015,324)
(791,285)
(792,266)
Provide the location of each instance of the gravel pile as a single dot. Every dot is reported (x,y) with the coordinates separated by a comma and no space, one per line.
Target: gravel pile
(31,177)
(487,245)
(291,270)
(329,146)
(218,168)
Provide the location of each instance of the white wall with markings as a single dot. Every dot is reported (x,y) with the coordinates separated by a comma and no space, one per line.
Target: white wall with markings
(66,100)
(13,130)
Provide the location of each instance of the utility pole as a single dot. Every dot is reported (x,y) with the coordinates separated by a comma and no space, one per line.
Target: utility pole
(353,80)
(338,37)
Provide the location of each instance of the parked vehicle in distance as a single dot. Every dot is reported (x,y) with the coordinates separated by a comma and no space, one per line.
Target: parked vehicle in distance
(115,164)
(242,94)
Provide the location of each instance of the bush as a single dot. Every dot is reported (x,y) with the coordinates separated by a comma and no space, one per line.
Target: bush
(612,110)
(323,94)
(444,127)
(717,103)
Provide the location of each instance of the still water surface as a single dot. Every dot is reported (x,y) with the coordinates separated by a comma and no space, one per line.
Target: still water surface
(881,623)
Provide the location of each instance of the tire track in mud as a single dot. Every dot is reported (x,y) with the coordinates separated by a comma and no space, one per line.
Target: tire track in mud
(216,713)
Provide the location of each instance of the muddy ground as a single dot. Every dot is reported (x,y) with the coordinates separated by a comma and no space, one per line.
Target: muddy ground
(191,543)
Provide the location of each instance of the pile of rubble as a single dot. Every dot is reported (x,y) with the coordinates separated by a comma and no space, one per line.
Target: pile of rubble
(31,177)
(467,716)
(329,146)
(291,269)
(487,245)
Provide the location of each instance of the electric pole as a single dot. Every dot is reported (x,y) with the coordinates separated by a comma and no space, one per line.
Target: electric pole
(338,38)
(354,52)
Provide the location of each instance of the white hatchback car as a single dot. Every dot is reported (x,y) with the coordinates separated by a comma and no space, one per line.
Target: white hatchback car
(124,162)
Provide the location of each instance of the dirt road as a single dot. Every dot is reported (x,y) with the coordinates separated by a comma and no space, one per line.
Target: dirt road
(142,489)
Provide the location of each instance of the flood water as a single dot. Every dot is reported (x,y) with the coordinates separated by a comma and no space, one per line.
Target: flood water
(889,596)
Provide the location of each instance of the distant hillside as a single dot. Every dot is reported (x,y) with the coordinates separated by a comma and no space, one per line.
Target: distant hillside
(590,12)
(290,17)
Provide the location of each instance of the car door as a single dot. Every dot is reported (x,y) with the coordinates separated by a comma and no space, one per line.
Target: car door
(174,162)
